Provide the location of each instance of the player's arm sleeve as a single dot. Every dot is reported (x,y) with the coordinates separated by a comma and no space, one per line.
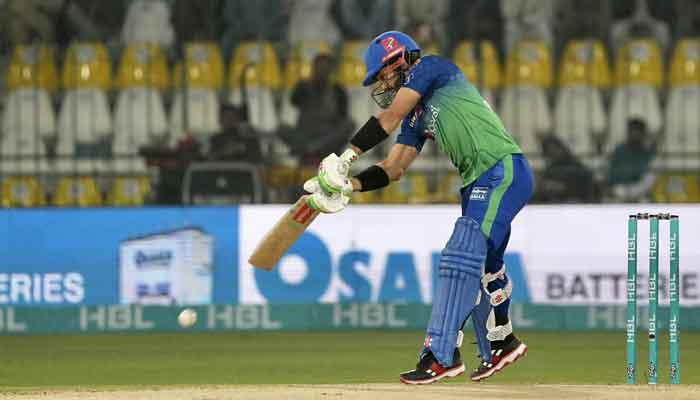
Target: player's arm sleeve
(410,136)
(421,77)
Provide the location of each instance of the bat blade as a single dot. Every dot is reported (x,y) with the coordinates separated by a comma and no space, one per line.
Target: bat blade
(283,235)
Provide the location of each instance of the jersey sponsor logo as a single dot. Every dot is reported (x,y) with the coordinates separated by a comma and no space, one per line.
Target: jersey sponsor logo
(417,112)
(479,193)
(431,126)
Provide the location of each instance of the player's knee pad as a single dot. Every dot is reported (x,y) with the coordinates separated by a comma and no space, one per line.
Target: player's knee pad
(497,286)
(461,266)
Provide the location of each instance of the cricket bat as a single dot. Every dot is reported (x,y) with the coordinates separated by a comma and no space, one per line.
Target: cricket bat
(283,235)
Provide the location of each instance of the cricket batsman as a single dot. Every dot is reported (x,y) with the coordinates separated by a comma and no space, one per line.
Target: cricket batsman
(431,99)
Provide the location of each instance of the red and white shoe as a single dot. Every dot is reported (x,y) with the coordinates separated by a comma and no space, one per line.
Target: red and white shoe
(429,370)
(502,354)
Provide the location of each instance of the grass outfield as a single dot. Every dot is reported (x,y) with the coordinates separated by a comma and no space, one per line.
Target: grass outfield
(52,362)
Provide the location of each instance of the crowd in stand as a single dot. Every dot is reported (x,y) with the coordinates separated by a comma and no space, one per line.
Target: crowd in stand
(589,88)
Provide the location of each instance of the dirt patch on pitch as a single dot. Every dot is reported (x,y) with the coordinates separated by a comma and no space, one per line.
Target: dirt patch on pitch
(372,392)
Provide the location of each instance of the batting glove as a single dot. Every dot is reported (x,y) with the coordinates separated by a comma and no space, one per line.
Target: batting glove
(333,172)
(328,203)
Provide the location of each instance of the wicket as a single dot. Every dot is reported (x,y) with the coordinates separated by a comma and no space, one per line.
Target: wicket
(653,288)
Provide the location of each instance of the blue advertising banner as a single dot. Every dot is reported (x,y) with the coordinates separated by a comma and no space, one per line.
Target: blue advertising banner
(74,256)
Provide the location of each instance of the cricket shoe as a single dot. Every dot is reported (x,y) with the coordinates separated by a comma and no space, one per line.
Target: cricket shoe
(503,353)
(429,370)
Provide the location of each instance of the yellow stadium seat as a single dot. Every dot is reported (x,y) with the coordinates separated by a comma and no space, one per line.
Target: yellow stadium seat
(465,59)
(585,62)
(129,191)
(32,67)
(143,65)
(639,62)
(87,65)
(22,191)
(685,64)
(261,65)
(80,192)
(529,63)
(448,189)
(351,71)
(677,188)
(371,197)
(205,67)
(412,189)
(301,60)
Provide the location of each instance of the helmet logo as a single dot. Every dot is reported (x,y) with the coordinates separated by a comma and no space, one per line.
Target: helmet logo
(389,43)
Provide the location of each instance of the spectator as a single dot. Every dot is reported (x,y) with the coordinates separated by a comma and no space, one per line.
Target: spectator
(364,19)
(148,21)
(310,20)
(640,24)
(527,19)
(324,125)
(427,20)
(564,177)
(629,176)
(237,141)
(253,20)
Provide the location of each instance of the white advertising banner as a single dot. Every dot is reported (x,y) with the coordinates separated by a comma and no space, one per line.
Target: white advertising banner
(166,268)
(572,254)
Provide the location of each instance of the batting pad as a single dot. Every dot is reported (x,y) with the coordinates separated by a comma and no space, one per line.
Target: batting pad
(459,283)
(480,316)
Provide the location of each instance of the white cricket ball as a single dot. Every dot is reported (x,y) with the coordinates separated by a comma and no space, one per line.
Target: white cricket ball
(187,318)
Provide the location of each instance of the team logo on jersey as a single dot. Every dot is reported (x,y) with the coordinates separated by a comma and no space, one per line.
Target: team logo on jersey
(479,193)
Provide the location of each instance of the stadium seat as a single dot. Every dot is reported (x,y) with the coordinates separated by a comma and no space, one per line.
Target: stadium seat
(204,77)
(143,65)
(448,189)
(87,66)
(585,62)
(205,67)
(412,189)
(524,108)
(683,103)
(351,72)
(83,120)
(129,191)
(676,188)
(254,76)
(139,119)
(638,76)
(526,115)
(202,118)
(579,112)
(32,67)
(28,119)
(371,197)
(639,62)
(298,67)
(487,74)
(22,191)
(77,192)
(529,63)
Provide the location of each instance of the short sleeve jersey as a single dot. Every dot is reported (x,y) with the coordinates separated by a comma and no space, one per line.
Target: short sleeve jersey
(452,112)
